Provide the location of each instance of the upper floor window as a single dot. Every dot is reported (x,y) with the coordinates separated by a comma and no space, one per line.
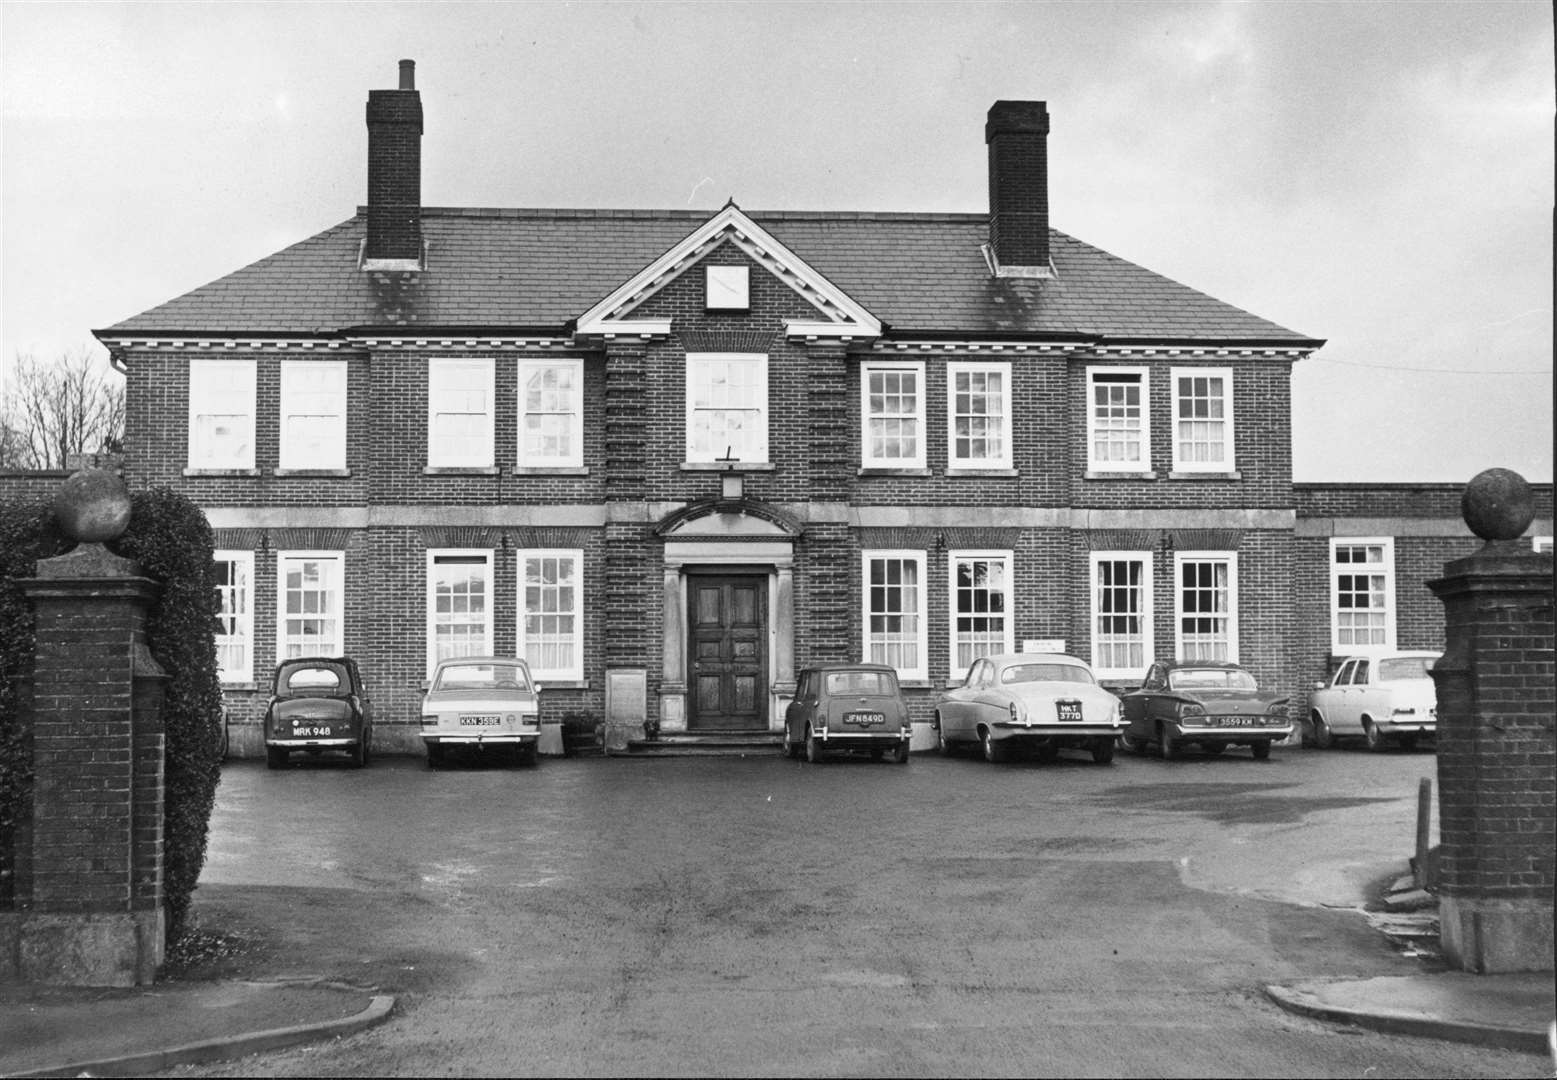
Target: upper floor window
(980,601)
(313,414)
(1203,419)
(551,413)
(221,414)
(1541,545)
(1122,643)
(551,612)
(459,604)
(310,603)
(727,407)
(1118,432)
(1207,605)
(460,394)
(235,616)
(892,413)
(978,401)
(1362,594)
(894,615)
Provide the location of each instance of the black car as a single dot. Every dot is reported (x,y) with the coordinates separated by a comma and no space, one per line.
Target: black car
(846,707)
(318,704)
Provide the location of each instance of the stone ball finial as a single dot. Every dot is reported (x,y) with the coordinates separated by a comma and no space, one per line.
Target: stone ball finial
(1497,505)
(93,506)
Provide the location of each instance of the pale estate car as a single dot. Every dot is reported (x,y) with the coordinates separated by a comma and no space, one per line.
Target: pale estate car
(481,704)
(846,707)
(318,704)
(1384,698)
(1042,702)
(1212,704)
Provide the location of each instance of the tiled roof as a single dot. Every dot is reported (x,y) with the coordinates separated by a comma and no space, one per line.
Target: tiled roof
(532,269)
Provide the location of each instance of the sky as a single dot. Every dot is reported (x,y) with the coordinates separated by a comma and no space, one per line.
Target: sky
(1376,174)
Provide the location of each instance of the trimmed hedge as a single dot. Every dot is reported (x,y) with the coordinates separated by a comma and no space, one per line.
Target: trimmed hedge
(171,539)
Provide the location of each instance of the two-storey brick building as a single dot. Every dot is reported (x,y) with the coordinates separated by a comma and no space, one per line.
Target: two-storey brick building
(672,456)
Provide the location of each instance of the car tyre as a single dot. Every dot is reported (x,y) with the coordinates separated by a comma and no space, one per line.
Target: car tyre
(1169,744)
(813,747)
(1324,738)
(358,754)
(790,747)
(942,743)
(1103,750)
(1261,750)
(900,752)
(275,757)
(993,752)
(435,756)
(1376,740)
(1132,744)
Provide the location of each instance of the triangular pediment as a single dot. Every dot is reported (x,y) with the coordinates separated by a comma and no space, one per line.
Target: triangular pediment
(837,314)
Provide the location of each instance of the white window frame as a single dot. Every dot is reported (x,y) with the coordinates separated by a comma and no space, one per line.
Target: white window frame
(574,672)
(324,404)
(755,449)
(240,615)
(1386,568)
(335,644)
(1228,464)
(483,646)
(1008,633)
(572,416)
(1146,613)
(868,459)
(1002,368)
(446,412)
(1224,558)
(1142,376)
(874,650)
(221,389)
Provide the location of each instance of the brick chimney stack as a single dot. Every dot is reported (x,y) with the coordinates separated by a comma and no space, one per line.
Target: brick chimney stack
(1018,133)
(395,172)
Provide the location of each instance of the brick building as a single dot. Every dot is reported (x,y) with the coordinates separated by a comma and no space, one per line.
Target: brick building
(683,454)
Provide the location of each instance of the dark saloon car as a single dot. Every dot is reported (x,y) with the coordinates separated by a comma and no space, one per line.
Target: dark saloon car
(318,704)
(1213,704)
(840,707)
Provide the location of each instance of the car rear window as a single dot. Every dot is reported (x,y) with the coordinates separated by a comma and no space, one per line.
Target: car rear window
(860,682)
(313,679)
(1024,673)
(482,677)
(1405,667)
(1211,679)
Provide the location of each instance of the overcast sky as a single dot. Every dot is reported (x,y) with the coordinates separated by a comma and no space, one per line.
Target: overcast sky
(1376,174)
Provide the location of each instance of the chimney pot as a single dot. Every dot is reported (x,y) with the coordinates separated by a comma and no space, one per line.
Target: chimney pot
(1017,133)
(408,74)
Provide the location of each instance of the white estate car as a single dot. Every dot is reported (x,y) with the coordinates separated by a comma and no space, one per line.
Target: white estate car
(480,704)
(1382,698)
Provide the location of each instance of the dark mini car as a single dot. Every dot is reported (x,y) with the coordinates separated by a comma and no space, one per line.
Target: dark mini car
(847,707)
(318,704)
(1212,704)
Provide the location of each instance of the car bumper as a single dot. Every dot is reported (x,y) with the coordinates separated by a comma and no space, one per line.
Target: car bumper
(495,738)
(844,740)
(1243,734)
(1049,733)
(311,744)
(1408,727)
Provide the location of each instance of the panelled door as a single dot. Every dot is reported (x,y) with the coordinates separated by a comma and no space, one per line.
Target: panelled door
(727,617)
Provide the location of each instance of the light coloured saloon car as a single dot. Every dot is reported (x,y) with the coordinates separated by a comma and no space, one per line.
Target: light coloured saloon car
(481,705)
(1040,702)
(1384,698)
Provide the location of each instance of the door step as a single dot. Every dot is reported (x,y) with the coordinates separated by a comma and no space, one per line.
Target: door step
(707,744)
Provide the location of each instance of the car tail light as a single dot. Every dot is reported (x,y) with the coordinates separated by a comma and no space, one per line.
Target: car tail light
(1403,712)
(1190,708)
(429,721)
(1277,708)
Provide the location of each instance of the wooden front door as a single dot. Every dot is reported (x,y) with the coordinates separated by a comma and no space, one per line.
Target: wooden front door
(728,650)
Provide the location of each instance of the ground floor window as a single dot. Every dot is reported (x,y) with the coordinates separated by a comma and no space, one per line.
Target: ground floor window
(235,616)
(1207,605)
(310,588)
(1122,643)
(551,613)
(1362,594)
(459,605)
(894,612)
(980,600)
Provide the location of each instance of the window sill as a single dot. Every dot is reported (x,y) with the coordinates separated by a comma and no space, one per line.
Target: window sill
(460,470)
(311,472)
(882,470)
(551,470)
(1091,475)
(1234,475)
(970,471)
(727,466)
(240,684)
(559,684)
(916,684)
(221,472)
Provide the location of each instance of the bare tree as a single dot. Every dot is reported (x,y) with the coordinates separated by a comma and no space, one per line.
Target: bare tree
(53,410)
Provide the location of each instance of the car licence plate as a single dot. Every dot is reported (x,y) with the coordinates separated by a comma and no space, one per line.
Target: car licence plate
(1069,710)
(479,721)
(865,719)
(310,731)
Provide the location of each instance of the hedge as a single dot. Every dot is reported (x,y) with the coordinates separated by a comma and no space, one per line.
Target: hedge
(171,539)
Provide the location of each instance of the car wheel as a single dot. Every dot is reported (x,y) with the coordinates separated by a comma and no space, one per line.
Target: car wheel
(1376,740)
(942,743)
(900,752)
(1169,744)
(1213,749)
(1261,750)
(1323,737)
(434,755)
(358,754)
(813,747)
(790,748)
(992,749)
(275,757)
(1132,744)
(530,755)
(367,745)
(1103,750)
